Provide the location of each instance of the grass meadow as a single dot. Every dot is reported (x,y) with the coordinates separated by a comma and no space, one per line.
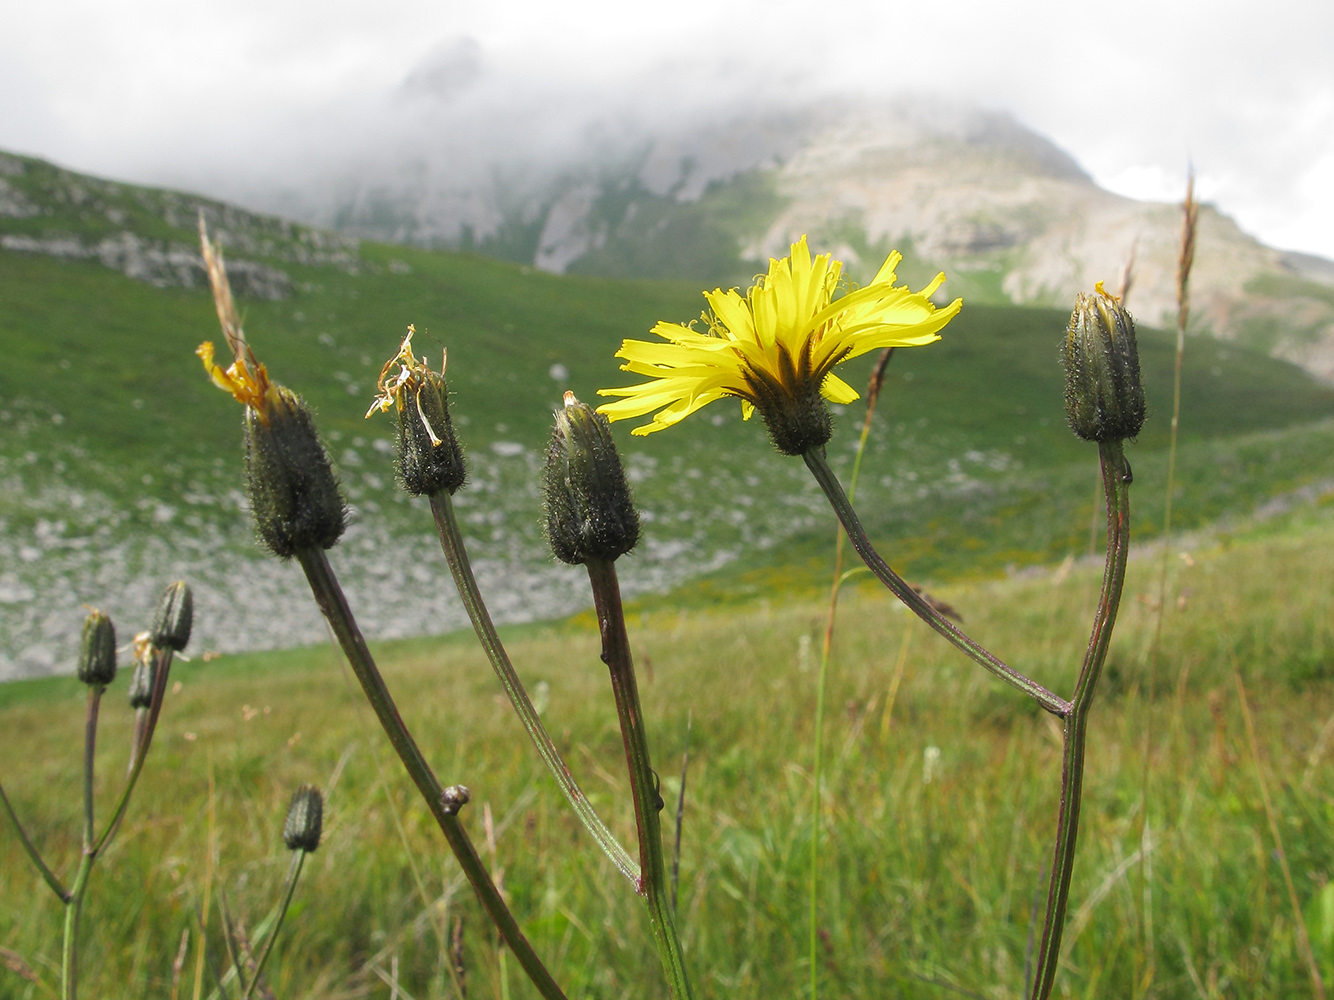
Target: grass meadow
(120,470)
(936,818)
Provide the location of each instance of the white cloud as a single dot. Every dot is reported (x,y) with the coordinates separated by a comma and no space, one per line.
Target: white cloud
(158,90)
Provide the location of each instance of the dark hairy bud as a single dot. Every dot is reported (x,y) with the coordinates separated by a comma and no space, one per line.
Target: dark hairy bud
(293,490)
(141,683)
(1104,397)
(97,651)
(589,511)
(429,457)
(174,617)
(305,819)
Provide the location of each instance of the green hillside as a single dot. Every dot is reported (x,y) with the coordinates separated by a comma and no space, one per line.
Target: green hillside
(119,462)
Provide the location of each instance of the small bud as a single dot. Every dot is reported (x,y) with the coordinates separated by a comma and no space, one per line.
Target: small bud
(97,653)
(305,818)
(589,511)
(454,798)
(141,683)
(429,457)
(293,490)
(1104,398)
(175,615)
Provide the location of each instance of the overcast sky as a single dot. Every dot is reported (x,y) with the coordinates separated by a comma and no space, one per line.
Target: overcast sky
(186,93)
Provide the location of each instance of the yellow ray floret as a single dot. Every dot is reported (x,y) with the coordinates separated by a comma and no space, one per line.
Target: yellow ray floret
(788,330)
(246,379)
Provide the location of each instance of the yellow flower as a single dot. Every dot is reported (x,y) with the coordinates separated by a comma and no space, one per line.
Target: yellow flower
(775,347)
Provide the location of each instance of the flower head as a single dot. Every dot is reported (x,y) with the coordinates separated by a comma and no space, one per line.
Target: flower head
(97,652)
(590,514)
(1104,396)
(429,456)
(305,820)
(775,347)
(293,490)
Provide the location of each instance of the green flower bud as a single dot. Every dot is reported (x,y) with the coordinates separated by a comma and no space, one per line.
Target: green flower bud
(454,798)
(589,511)
(293,490)
(175,614)
(429,457)
(141,683)
(305,818)
(1104,398)
(97,652)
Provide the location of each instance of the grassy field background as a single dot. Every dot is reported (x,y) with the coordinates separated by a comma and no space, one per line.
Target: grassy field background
(931,870)
(119,470)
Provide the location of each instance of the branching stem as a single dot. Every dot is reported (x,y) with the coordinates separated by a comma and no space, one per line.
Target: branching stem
(451,541)
(1116,485)
(333,603)
(824,475)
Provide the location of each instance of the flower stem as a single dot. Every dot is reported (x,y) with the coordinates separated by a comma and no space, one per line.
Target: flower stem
(139,752)
(451,541)
(1116,485)
(293,873)
(643,781)
(824,475)
(89,756)
(69,958)
(826,649)
(333,603)
(48,876)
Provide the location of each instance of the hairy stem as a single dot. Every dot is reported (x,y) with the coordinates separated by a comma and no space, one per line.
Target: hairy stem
(451,541)
(333,603)
(643,780)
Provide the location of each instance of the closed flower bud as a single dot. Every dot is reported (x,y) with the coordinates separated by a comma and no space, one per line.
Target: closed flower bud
(589,511)
(454,798)
(97,652)
(429,457)
(141,683)
(1104,398)
(175,614)
(293,490)
(305,818)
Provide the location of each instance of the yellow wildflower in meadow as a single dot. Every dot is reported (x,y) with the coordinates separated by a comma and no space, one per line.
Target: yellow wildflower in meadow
(775,347)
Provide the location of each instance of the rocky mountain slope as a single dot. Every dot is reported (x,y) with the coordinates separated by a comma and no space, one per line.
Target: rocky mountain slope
(1007,215)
